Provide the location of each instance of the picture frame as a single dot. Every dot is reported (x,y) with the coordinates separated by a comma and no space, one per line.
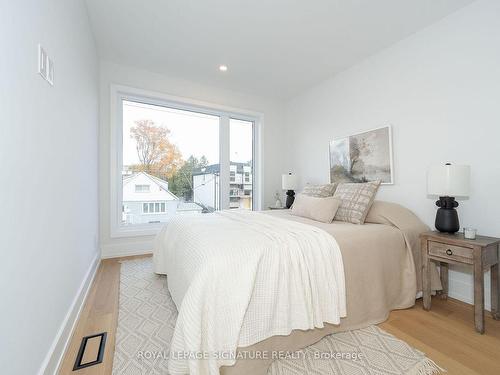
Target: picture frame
(363,156)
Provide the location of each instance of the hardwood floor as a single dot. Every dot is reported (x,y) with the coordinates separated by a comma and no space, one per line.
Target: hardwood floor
(99,314)
(446,333)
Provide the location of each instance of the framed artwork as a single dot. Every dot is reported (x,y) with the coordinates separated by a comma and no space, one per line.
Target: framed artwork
(362,157)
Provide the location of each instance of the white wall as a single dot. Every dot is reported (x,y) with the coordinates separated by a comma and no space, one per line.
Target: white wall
(272,136)
(440,90)
(48,182)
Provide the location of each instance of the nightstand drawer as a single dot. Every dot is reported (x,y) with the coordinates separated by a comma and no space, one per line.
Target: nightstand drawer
(457,253)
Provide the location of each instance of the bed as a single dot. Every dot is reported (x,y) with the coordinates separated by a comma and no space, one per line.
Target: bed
(380,267)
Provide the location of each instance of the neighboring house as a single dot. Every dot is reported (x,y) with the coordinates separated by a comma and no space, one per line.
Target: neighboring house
(240,180)
(146,199)
(206,186)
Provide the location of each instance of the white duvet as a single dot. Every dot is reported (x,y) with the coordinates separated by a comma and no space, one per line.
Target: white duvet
(239,277)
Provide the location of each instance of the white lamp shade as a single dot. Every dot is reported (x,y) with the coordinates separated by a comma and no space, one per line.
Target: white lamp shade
(448,180)
(289,181)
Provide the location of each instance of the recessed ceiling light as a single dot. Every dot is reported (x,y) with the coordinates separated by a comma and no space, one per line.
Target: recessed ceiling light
(223,68)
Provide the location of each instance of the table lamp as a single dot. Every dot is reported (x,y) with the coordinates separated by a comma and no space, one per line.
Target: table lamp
(448,182)
(289,183)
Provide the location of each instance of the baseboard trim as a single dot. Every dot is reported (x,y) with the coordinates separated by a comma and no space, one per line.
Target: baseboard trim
(52,362)
(457,289)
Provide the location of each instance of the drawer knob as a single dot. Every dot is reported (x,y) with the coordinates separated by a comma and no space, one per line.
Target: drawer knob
(449,252)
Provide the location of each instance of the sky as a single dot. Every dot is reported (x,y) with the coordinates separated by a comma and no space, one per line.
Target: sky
(194,133)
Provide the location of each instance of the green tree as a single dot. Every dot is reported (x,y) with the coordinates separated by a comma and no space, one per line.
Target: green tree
(181,182)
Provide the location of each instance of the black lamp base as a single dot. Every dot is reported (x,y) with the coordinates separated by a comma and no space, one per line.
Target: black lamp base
(290,197)
(447,216)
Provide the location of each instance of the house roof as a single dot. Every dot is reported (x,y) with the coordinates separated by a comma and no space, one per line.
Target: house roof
(158,181)
(189,206)
(215,168)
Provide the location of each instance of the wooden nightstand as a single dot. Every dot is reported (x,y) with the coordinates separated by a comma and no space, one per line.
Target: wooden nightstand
(481,254)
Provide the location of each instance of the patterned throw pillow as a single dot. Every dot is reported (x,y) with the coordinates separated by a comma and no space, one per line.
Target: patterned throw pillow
(357,199)
(319,191)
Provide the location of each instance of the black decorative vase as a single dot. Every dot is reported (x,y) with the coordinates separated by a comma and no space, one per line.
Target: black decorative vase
(447,216)
(290,197)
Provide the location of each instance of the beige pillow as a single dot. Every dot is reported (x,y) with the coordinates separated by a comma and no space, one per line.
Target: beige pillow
(319,209)
(356,200)
(376,213)
(389,213)
(321,191)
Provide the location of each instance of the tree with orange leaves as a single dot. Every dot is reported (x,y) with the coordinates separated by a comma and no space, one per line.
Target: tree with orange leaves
(157,155)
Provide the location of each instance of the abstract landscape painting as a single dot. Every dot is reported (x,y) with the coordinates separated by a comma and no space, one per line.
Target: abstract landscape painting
(362,157)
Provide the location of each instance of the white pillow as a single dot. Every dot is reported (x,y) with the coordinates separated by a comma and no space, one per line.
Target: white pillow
(319,209)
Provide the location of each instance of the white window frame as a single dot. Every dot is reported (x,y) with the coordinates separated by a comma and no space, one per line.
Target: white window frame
(120,93)
(154,208)
(143,191)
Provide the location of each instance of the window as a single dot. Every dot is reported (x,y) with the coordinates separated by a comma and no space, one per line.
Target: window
(241,160)
(175,157)
(154,208)
(142,188)
(164,151)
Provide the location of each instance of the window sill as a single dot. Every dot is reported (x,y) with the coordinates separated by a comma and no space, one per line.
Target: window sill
(136,230)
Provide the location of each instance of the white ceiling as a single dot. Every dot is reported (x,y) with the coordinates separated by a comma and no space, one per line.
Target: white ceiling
(272,48)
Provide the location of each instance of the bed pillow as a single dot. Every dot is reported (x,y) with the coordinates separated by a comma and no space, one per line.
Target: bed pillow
(315,208)
(356,200)
(320,191)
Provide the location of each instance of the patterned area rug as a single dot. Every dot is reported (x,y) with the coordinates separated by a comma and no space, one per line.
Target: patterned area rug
(146,324)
